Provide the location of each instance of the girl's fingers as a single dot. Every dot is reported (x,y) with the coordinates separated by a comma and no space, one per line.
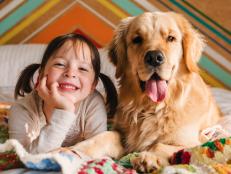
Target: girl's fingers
(54,89)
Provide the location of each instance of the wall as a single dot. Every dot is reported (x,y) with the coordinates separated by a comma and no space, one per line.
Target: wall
(38,21)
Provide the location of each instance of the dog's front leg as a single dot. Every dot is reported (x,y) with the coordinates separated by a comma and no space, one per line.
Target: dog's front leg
(154,158)
(104,144)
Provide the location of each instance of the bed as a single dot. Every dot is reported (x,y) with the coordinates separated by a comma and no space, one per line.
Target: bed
(19,56)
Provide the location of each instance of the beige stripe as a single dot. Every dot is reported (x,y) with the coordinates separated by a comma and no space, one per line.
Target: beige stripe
(218,58)
(9,7)
(4,3)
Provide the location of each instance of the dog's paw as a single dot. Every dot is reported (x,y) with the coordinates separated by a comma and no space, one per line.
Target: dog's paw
(147,162)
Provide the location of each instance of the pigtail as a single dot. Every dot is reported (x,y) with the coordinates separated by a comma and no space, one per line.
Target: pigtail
(24,82)
(112,98)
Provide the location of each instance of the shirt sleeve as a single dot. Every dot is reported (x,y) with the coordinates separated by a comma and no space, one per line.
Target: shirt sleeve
(26,129)
(96,116)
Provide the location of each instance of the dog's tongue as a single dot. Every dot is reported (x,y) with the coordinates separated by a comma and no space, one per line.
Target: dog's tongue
(156,89)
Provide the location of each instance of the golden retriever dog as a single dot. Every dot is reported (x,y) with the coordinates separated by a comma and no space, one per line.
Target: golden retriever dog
(163,102)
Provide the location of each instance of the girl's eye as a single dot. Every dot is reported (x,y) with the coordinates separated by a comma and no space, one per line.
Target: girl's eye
(83,69)
(59,65)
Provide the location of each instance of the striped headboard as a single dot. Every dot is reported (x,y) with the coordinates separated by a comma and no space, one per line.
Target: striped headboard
(38,21)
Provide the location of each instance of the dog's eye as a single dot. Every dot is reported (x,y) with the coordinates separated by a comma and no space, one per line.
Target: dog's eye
(171,38)
(137,40)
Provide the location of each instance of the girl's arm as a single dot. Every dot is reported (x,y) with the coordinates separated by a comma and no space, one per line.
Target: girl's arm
(96,116)
(24,126)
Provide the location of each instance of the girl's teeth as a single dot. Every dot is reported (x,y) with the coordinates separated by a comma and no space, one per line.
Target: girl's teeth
(68,87)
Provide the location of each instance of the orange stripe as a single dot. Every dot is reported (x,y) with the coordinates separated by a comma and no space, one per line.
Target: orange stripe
(84,34)
(76,16)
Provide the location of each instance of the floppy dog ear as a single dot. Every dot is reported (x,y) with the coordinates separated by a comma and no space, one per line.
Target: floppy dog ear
(117,48)
(193,44)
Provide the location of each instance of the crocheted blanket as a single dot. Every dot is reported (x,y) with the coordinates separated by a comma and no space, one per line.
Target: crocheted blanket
(211,157)
(13,155)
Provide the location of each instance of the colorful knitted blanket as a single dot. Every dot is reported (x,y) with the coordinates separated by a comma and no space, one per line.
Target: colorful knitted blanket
(13,155)
(211,157)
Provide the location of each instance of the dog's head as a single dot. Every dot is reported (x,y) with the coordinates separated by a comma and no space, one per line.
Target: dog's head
(152,48)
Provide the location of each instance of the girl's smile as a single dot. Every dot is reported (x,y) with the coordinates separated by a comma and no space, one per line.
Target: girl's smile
(67,87)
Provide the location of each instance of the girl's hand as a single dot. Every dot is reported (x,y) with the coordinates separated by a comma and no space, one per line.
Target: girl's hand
(52,96)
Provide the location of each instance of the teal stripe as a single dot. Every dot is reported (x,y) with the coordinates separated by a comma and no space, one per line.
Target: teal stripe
(215,70)
(207,17)
(129,7)
(18,15)
(201,21)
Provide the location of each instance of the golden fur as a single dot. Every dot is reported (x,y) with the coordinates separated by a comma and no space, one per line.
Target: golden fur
(159,129)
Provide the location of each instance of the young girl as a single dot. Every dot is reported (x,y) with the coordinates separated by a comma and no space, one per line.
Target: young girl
(64,108)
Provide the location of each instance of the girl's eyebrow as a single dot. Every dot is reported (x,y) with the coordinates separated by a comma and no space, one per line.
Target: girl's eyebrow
(86,64)
(58,57)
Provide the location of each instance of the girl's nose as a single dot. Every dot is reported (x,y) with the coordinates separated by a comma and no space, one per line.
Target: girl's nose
(70,73)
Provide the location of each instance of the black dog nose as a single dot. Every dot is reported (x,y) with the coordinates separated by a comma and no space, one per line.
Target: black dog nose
(154,58)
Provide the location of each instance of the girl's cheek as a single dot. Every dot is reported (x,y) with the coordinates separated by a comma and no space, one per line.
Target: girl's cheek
(52,77)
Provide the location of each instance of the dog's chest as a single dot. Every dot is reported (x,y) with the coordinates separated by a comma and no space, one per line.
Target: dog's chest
(143,127)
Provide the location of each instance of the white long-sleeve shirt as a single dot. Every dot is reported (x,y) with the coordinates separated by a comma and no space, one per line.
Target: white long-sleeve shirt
(27,123)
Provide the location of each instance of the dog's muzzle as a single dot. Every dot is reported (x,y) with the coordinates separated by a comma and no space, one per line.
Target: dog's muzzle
(154,58)
(155,87)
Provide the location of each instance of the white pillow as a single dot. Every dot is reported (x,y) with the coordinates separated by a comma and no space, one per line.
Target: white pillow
(223,99)
(108,69)
(14,58)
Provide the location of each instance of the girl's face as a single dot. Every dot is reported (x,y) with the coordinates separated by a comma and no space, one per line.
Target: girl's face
(71,67)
